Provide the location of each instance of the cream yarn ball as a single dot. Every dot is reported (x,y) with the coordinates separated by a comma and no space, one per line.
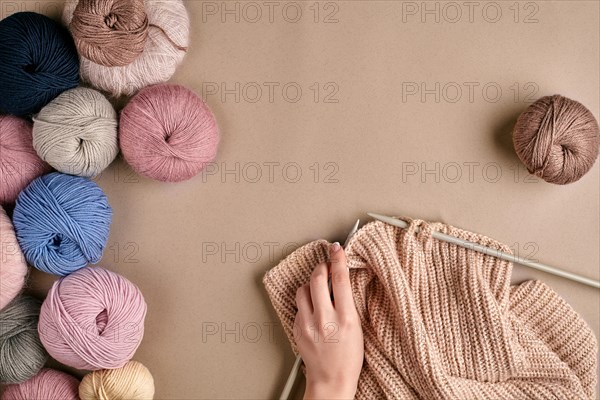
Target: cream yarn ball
(76,133)
(164,49)
(133,381)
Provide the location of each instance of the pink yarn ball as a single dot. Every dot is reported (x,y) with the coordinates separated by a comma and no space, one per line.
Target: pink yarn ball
(13,268)
(92,319)
(168,133)
(19,163)
(48,384)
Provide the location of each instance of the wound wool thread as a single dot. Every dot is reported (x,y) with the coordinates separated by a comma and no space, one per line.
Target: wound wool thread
(165,48)
(133,381)
(13,268)
(19,163)
(62,223)
(48,384)
(110,32)
(83,314)
(76,133)
(168,133)
(21,352)
(38,61)
(557,139)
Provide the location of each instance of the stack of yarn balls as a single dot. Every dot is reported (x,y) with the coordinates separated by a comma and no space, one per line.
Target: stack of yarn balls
(54,137)
(125,45)
(119,48)
(61,220)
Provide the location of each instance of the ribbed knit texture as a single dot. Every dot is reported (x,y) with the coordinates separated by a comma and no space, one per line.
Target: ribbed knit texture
(443,322)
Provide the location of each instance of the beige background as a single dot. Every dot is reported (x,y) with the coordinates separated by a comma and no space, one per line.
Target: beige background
(198,250)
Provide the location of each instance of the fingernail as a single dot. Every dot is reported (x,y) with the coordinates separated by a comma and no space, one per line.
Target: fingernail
(335,247)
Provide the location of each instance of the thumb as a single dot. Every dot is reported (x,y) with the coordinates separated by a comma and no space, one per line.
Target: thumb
(337,258)
(340,278)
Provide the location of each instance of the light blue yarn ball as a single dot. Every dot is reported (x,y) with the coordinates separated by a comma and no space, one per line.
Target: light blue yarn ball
(62,223)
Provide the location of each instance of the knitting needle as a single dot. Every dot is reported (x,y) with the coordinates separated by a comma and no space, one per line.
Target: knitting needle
(289,384)
(291,380)
(495,253)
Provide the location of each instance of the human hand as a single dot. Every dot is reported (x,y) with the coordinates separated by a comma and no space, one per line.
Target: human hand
(328,333)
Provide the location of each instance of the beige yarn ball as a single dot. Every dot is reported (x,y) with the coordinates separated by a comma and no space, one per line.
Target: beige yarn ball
(76,133)
(164,49)
(133,381)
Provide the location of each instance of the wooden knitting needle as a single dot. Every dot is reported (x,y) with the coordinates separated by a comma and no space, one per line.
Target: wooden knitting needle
(291,380)
(495,253)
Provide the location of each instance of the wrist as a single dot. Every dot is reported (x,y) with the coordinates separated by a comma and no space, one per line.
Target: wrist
(333,389)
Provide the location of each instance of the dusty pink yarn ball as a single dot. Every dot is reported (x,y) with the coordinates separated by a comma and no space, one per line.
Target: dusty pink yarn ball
(48,384)
(168,133)
(13,268)
(92,319)
(19,163)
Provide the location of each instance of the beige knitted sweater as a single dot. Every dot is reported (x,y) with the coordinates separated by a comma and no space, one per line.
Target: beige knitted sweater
(443,322)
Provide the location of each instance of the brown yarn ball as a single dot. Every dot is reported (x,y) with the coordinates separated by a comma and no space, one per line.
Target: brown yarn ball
(557,139)
(110,32)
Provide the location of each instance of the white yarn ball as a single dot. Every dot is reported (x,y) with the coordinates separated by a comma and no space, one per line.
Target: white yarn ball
(76,133)
(166,46)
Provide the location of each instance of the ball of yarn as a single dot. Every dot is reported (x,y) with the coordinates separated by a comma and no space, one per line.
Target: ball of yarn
(557,139)
(62,223)
(21,352)
(133,381)
(47,385)
(93,319)
(13,268)
(165,48)
(110,32)
(38,61)
(76,133)
(19,163)
(168,133)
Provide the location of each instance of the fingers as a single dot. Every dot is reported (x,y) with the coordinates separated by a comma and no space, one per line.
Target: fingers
(340,278)
(315,296)
(319,289)
(303,300)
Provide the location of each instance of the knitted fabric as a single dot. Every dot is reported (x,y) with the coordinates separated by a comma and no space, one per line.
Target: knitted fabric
(443,322)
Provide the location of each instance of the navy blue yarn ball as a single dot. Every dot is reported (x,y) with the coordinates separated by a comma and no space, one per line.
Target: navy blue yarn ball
(38,61)
(62,223)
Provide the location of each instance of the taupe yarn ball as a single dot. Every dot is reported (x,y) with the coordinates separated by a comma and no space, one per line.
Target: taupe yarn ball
(165,48)
(76,133)
(557,139)
(110,32)
(21,352)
